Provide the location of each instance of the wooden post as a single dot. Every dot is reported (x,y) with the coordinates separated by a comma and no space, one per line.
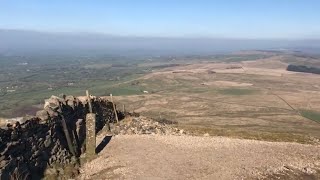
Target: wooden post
(123,108)
(114,109)
(66,133)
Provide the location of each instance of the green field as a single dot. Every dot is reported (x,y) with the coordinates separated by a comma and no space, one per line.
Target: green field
(237,92)
(312,115)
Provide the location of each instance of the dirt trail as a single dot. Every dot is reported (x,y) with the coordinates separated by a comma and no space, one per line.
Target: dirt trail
(190,157)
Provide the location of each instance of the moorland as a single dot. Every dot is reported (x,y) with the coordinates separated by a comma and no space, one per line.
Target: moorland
(246,94)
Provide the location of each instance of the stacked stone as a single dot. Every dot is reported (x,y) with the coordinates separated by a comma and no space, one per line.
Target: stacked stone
(143,125)
(104,113)
(29,148)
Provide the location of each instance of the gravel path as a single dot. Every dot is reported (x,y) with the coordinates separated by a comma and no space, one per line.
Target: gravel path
(191,157)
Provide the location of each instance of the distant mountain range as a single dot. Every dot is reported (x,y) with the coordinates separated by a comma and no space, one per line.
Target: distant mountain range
(24,41)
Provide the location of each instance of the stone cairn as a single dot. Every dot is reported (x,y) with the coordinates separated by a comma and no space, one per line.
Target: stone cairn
(51,140)
(142,125)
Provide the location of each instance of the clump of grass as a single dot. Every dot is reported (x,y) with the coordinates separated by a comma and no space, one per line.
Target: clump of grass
(312,115)
(237,91)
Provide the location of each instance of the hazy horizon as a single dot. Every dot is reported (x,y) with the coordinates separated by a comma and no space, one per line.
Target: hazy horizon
(26,41)
(246,19)
(170,27)
(92,33)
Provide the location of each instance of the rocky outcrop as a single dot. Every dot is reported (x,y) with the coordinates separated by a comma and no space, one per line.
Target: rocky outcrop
(29,149)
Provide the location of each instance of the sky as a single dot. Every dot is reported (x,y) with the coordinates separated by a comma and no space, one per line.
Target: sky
(253,19)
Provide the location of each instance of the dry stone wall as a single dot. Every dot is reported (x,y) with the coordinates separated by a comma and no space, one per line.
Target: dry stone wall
(30,149)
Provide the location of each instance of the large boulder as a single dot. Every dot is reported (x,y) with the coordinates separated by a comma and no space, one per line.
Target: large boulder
(53,102)
(42,115)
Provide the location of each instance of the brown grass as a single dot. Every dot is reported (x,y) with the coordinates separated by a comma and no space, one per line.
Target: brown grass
(196,101)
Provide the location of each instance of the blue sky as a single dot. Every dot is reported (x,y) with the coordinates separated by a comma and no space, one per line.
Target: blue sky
(289,19)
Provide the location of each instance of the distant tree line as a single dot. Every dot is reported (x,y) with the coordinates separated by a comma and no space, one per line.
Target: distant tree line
(302,68)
